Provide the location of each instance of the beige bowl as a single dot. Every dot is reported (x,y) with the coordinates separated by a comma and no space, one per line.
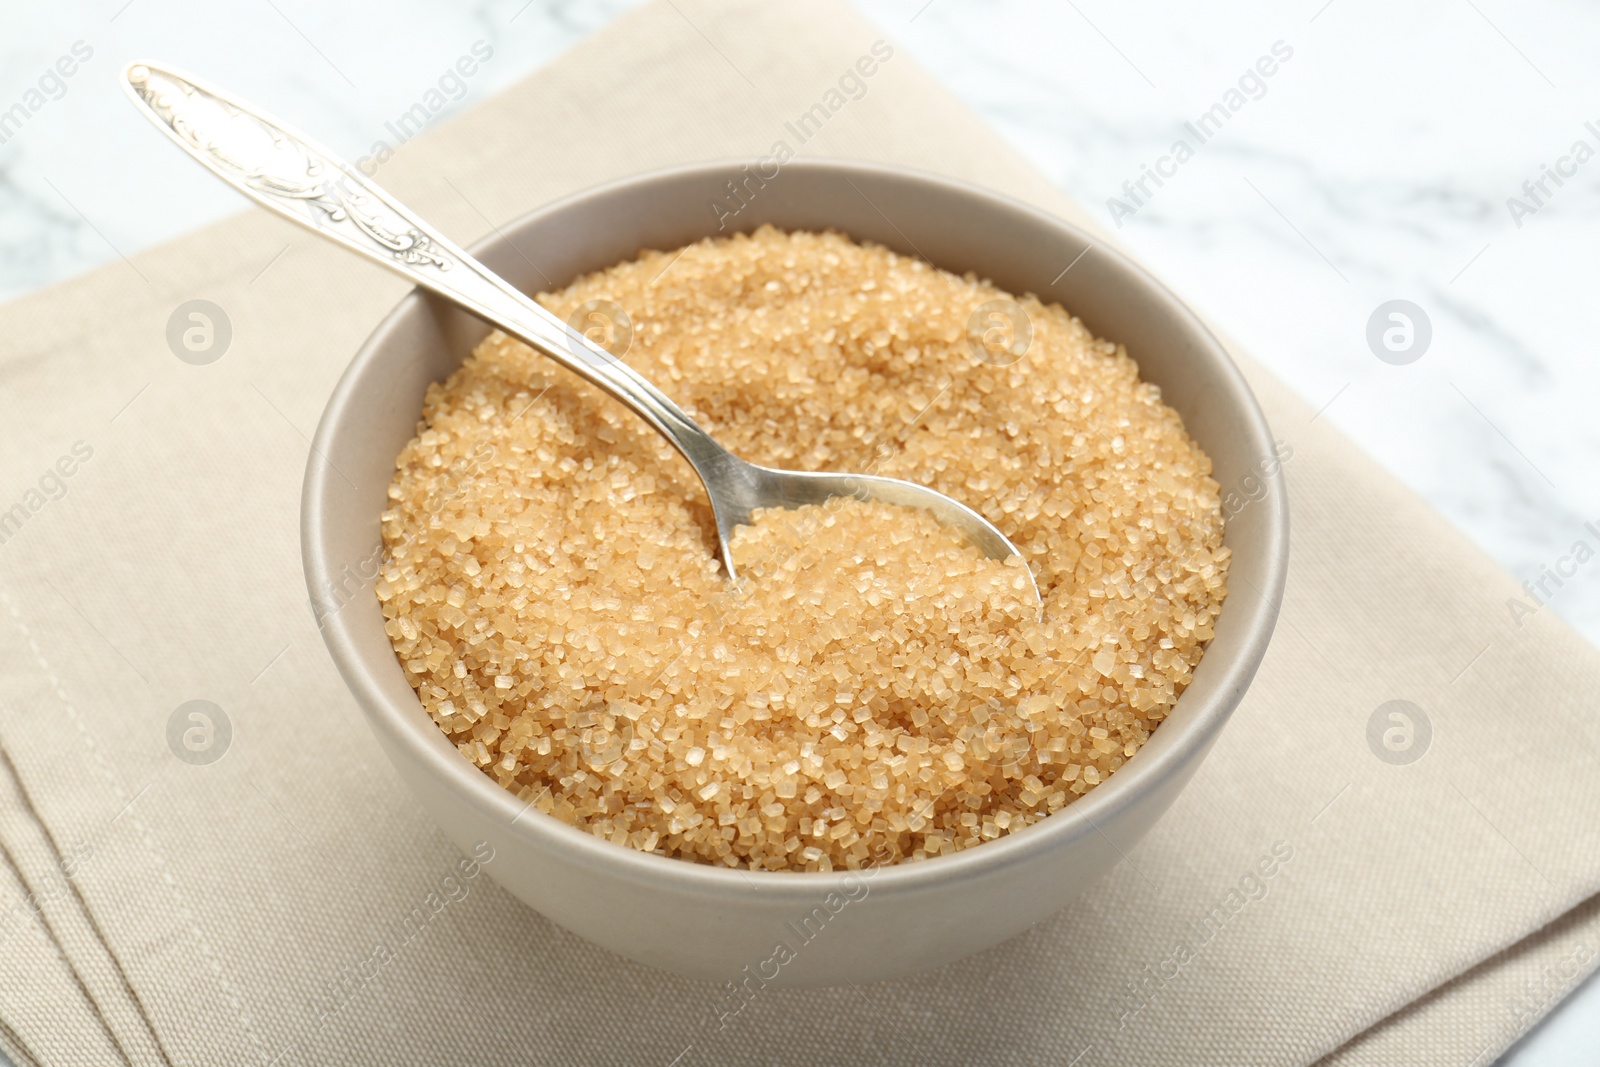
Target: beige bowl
(793,928)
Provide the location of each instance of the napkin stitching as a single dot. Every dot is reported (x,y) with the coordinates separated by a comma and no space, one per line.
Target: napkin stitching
(143,831)
(32,811)
(55,945)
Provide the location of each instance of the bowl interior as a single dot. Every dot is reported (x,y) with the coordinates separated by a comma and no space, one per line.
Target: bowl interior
(374,412)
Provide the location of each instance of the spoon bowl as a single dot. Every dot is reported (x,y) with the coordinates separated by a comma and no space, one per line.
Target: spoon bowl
(291,175)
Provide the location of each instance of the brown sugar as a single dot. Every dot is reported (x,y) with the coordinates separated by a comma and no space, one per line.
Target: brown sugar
(873,687)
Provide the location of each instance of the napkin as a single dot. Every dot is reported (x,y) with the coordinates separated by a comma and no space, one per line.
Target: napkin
(206,882)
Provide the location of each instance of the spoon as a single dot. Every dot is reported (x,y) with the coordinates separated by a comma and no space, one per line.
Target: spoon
(291,175)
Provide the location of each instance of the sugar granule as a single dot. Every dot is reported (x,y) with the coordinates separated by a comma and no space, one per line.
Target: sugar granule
(873,686)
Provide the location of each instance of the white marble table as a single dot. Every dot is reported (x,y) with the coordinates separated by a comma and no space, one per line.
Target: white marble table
(1375,162)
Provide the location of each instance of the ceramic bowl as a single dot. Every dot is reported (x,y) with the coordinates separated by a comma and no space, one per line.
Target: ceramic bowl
(794,928)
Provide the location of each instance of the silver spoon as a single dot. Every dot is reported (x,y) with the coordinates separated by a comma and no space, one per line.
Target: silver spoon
(284,171)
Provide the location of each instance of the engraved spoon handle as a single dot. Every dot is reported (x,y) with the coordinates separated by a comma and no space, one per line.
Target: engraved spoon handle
(288,173)
(294,177)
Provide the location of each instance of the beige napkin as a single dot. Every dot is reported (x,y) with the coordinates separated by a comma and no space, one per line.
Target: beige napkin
(159,911)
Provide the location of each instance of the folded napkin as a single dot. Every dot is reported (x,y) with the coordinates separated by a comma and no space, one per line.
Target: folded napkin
(211,883)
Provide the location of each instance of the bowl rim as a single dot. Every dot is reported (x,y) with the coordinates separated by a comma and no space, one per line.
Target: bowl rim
(1198,726)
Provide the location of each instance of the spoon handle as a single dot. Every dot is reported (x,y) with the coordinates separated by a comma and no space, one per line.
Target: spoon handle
(293,176)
